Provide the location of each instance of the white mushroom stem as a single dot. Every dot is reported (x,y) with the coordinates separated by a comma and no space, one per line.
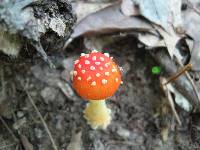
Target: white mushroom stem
(97,114)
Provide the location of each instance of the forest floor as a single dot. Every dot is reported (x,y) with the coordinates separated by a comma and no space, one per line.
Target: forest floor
(141,116)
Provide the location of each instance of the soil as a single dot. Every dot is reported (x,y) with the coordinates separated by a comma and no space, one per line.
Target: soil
(141,116)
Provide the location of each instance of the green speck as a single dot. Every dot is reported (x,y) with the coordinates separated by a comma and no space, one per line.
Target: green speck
(156,70)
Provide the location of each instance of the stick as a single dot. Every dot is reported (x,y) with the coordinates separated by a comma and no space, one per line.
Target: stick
(190,79)
(2,81)
(179,73)
(43,122)
(170,99)
(9,130)
(182,84)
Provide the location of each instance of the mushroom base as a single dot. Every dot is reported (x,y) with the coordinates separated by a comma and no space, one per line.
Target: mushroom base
(97,114)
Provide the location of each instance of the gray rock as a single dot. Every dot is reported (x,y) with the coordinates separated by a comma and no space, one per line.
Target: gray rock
(20,114)
(59,119)
(124,133)
(49,94)
(19,123)
(38,133)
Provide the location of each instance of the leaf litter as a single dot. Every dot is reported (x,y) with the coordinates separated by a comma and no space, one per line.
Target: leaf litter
(155,39)
(163,13)
(162,25)
(117,18)
(108,20)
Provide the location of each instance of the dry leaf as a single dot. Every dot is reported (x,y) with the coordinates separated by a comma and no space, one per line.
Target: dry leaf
(25,142)
(179,98)
(195,57)
(82,9)
(170,39)
(164,13)
(192,27)
(167,14)
(109,20)
(151,40)
(127,7)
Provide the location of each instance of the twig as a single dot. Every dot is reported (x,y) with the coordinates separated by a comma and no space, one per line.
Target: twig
(9,130)
(2,81)
(171,102)
(182,84)
(179,73)
(191,81)
(43,122)
(6,146)
(170,99)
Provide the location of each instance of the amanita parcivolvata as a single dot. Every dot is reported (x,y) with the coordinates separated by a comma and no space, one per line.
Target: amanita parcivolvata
(96,77)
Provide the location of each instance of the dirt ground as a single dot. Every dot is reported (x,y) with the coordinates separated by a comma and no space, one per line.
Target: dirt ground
(141,116)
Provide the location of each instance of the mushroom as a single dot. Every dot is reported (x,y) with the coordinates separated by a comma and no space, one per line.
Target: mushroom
(95,78)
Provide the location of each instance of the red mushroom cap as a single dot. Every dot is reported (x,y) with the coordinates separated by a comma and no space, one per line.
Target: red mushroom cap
(96,76)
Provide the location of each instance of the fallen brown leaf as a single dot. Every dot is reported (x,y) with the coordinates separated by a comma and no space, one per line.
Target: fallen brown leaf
(163,13)
(108,20)
(83,9)
(170,39)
